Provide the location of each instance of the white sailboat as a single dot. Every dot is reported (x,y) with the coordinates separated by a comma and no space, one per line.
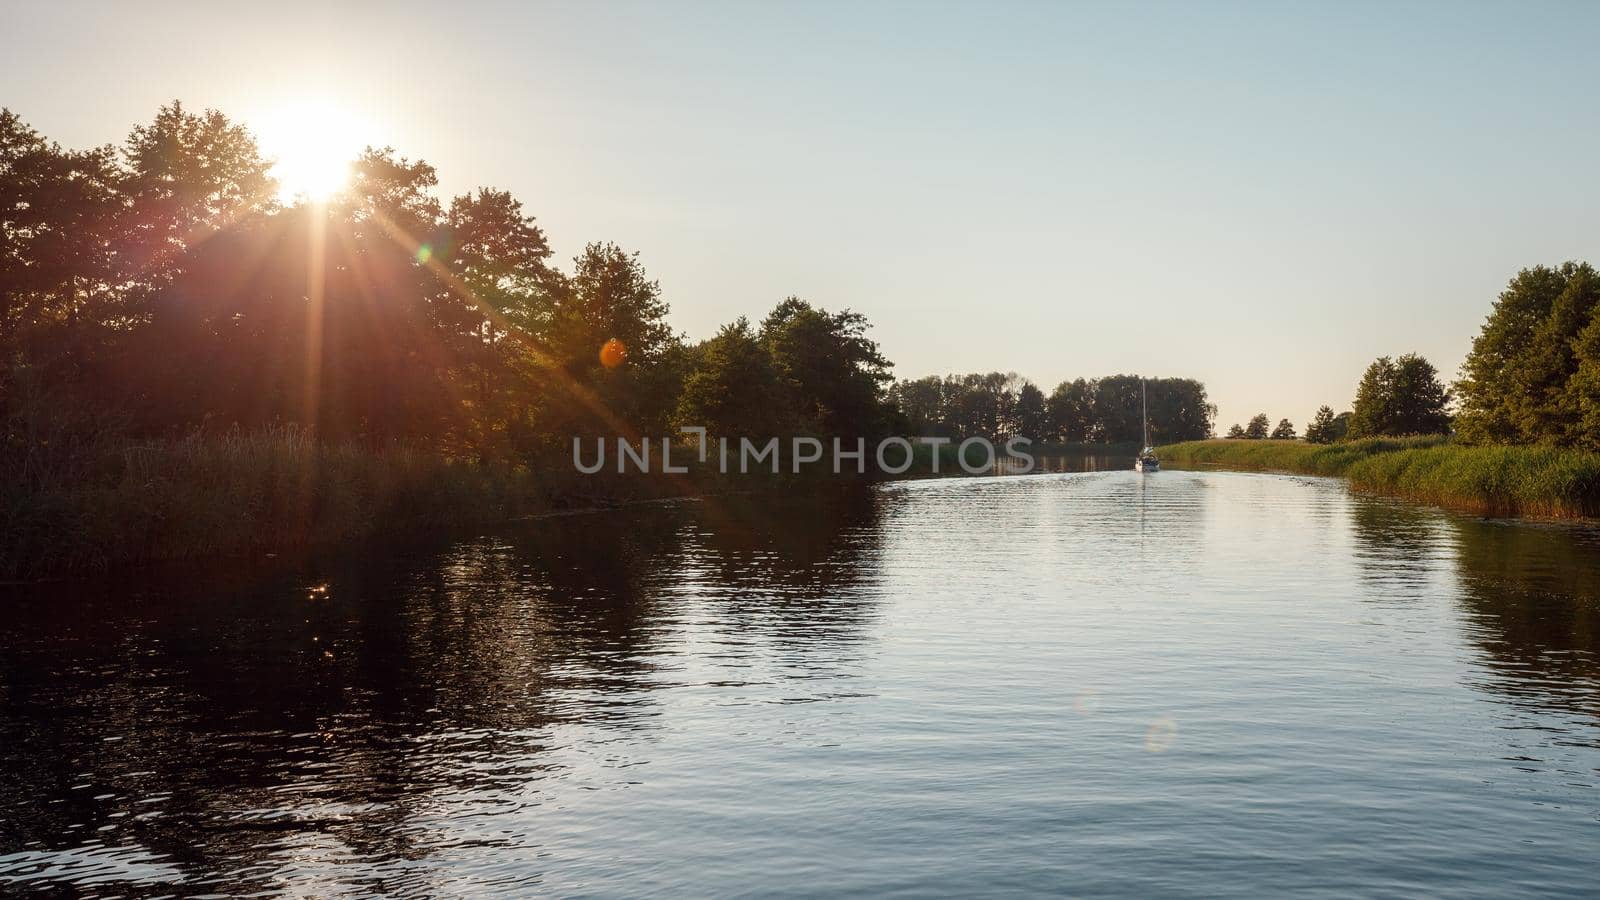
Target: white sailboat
(1146,461)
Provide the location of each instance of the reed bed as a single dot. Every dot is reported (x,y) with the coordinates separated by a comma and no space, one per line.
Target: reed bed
(83,507)
(1545,482)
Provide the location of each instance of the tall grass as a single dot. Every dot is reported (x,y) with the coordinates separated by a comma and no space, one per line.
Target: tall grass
(1286,456)
(100,501)
(1505,481)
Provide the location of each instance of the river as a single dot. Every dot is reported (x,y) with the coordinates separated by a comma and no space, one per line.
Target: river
(1102,684)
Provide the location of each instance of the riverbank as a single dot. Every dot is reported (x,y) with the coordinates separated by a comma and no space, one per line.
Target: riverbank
(88,504)
(105,502)
(1539,482)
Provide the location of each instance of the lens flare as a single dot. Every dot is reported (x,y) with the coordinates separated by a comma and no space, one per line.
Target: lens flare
(1162,735)
(613,353)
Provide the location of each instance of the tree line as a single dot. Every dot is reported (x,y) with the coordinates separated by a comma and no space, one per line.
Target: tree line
(1396,397)
(162,285)
(1531,377)
(160,288)
(1099,410)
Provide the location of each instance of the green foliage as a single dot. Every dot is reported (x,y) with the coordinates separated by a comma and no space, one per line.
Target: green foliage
(1258,427)
(1236,431)
(1031,414)
(1399,397)
(833,375)
(997,405)
(1321,429)
(1341,426)
(199,340)
(1284,431)
(733,386)
(1071,409)
(1285,456)
(1528,481)
(1534,370)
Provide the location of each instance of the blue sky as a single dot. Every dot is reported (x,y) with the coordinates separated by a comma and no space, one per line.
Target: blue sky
(1263,196)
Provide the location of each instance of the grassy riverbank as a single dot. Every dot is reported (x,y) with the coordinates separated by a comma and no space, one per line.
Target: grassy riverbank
(84,501)
(88,506)
(1504,481)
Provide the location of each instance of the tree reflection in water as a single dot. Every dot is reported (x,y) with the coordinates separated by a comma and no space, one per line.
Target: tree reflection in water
(247,728)
(1530,593)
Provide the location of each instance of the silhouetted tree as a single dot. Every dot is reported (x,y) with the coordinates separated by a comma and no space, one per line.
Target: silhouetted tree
(1104,409)
(1032,416)
(732,388)
(1071,408)
(921,403)
(833,374)
(188,176)
(1284,431)
(1236,432)
(61,217)
(1258,427)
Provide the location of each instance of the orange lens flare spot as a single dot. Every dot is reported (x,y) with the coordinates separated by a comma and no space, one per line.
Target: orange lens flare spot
(613,353)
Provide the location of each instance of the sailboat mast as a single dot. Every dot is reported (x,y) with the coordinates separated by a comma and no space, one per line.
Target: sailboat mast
(1144,410)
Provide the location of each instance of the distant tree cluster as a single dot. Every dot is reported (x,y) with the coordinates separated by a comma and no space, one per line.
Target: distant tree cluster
(1396,397)
(1533,374)
(1259,428)
(1101,410)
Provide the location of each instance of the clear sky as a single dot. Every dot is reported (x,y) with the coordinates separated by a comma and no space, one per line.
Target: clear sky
(1262,196)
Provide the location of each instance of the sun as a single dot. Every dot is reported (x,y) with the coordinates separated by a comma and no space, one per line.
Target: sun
(312,144)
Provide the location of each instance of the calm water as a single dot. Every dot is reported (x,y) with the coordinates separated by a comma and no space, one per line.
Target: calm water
(1099,684)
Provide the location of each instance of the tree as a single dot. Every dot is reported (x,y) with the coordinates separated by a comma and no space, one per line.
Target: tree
(996,404)
(732,389)
(833,374)
(501,256)
(498,300)
(1258,427)
(188,176)
(1071,410)
(921,403)
(61,213)
(609,297)
(1400,397)
(1236,432)
(1284,431)
(1341,426)
(1032,418)
(1530,374)
(608,301)
(392,197)
(1179,410)
(1321,428)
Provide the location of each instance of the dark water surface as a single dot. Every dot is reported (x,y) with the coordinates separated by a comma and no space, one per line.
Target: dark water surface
(1193,684)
